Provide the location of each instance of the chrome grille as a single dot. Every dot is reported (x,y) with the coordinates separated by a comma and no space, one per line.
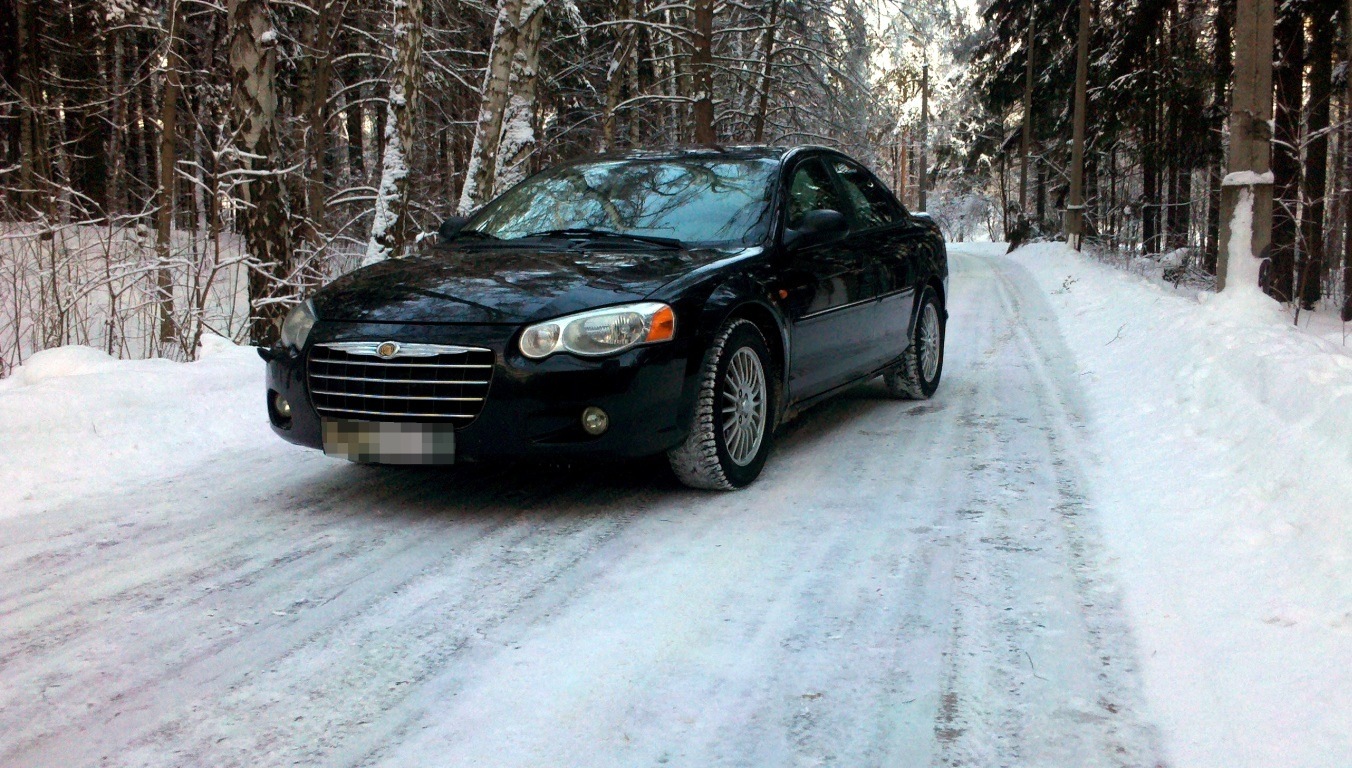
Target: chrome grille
(438,385)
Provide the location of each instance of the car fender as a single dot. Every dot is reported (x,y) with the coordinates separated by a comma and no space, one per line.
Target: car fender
(741,294)
(934,267)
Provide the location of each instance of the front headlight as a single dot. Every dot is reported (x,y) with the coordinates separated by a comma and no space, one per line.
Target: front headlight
(298,324)
(601,332)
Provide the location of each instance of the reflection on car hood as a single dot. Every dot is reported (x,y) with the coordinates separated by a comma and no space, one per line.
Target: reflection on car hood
(502,286)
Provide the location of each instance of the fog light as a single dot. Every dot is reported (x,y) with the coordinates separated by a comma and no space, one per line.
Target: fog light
(283,407)
(595,421)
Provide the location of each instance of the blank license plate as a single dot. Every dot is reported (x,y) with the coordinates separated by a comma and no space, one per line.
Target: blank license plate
(370,442)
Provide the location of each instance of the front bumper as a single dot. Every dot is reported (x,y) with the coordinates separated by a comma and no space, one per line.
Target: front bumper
(533,408)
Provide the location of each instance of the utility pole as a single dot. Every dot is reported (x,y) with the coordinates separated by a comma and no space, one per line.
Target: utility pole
(1246,196)
(924,133)
(1075,210)
(1027,111)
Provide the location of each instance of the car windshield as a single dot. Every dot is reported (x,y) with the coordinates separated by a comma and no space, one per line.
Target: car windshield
(700,202)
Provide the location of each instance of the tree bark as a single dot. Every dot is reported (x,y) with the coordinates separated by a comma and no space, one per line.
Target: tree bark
(1027,146)
(164,218)
(267,227)
(1250,151)
(1224,70)
(922,170)
(391,228)
(115,200)
(1075,209)
(479,186)
(518,125)
(624,49)
(1347,159)
(1314,219)
(767,74)
(702,65)
(35,164)
(1286,168)
(320,76)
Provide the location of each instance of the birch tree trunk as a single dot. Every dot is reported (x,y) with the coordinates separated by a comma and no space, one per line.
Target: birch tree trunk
(267,228)
(478,188)
(164,218)
(391,228)
(518,126)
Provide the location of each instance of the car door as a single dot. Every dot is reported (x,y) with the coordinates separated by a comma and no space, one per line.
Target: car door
(885,240)
(824,290)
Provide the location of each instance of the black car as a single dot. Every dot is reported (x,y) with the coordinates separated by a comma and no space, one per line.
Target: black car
(683,302)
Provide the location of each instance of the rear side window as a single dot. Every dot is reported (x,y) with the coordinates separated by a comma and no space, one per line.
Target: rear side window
(872,205)
(811,189)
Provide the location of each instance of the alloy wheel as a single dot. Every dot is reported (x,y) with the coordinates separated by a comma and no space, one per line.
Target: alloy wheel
(744,406)
(930,335)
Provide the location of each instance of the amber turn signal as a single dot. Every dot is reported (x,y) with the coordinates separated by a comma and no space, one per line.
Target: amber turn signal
(663,327)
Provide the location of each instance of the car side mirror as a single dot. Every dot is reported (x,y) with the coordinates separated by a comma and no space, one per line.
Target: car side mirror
(450,228)
(817,227)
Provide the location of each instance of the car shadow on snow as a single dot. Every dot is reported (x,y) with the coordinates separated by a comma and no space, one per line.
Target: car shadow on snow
(481,489)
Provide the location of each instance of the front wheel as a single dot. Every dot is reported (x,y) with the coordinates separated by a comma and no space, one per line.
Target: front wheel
(917,376)
(731,427)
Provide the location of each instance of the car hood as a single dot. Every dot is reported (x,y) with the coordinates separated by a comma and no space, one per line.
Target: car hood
(503,286)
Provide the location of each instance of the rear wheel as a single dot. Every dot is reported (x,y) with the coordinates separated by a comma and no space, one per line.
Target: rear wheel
(917,376)
(730,428)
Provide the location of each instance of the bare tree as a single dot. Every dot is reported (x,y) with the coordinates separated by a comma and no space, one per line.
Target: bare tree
(267,226)
(391,228)
(164,228)
(479,182)
(702,64)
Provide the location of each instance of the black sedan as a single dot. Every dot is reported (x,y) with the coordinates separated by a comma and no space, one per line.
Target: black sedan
(684,302)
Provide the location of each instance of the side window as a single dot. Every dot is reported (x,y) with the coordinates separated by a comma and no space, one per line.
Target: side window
(873,206)
(810,190)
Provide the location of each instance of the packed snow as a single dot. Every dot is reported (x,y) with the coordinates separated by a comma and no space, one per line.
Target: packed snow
(1118,536)
(1224,482)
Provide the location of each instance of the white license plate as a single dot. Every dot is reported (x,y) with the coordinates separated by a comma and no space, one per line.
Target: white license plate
(370,442)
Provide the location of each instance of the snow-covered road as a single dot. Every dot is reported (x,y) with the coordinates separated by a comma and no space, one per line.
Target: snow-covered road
(908,585)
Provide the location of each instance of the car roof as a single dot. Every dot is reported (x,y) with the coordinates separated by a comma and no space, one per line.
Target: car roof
(749,152)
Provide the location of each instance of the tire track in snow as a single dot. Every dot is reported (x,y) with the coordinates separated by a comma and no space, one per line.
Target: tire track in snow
(417,561)
(1040,661)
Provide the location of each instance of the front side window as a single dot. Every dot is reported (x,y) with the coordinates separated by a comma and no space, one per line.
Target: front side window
(873,206)
(811,189)
(710,203)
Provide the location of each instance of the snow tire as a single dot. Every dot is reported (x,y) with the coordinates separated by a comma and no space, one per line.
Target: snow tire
(917,376)
(704,460)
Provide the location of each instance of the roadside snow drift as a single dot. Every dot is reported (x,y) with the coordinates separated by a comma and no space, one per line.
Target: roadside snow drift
(75,422)
(1225,488)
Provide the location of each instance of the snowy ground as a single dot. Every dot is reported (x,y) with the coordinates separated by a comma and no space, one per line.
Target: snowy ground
(1119,536)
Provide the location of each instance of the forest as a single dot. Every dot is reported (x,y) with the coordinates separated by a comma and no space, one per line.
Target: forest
(175,168)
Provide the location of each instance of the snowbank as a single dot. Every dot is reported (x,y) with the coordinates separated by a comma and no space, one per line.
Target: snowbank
(1224,483)
(74,421)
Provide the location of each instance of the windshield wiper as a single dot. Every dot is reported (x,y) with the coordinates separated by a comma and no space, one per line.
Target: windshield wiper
(475,234)
(602,234)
